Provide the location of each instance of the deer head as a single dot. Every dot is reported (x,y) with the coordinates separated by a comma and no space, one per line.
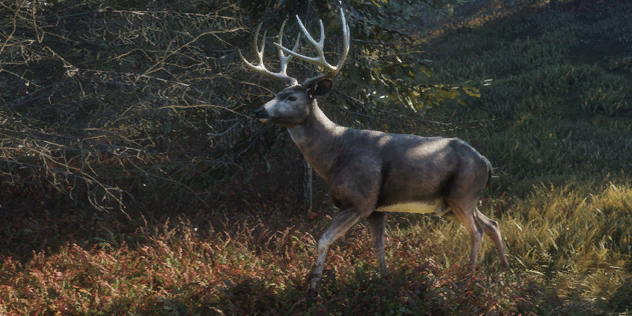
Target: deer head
(293,105)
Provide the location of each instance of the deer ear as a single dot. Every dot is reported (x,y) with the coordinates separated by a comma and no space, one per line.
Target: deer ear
(320,88)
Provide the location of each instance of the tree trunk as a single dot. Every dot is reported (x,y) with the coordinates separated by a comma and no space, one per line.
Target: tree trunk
(426,20)
(305,186)
(553,5)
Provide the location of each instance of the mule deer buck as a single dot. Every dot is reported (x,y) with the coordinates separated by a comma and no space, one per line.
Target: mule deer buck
(371,172)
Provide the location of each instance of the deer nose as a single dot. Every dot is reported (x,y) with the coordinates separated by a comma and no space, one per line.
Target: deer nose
(261,113)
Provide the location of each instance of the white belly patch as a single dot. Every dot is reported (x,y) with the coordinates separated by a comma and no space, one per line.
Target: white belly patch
(415,207)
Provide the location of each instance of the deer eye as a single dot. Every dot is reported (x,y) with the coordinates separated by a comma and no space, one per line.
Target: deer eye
(291,98)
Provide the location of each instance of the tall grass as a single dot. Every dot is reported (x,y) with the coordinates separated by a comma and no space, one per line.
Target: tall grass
(256,271)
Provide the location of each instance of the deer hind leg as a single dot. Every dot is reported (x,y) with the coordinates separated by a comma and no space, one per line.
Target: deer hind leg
(465,212)
(376,225)
(492,230)
(341,223)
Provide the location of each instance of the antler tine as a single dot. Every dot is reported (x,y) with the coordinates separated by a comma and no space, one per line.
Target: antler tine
(286,60)
(331,71)
(261,68)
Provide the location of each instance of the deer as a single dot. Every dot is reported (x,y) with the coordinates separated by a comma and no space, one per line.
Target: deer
(371,173)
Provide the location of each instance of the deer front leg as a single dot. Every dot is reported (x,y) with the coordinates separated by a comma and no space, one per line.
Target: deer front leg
(339,226)
(376,225)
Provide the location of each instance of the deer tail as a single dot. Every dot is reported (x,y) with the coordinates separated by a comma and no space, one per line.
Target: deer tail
(490,172)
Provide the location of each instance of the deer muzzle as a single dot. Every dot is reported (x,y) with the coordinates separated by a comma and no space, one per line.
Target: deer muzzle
(262,115)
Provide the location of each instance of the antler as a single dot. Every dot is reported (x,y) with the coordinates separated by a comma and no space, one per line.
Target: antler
(320,46)
(282,74)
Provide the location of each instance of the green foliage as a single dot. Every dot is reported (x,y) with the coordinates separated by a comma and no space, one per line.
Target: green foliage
(621,64)
(611,101)
(552,120)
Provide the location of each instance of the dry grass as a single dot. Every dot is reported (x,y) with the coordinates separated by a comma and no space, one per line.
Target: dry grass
(246,273)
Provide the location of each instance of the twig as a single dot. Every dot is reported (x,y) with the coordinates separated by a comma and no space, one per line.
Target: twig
(59,171)
(109,10)
(226,131)
(374,43)
(253,138)
(13,106)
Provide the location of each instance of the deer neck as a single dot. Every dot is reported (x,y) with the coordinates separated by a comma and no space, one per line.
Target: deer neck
(319,140)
